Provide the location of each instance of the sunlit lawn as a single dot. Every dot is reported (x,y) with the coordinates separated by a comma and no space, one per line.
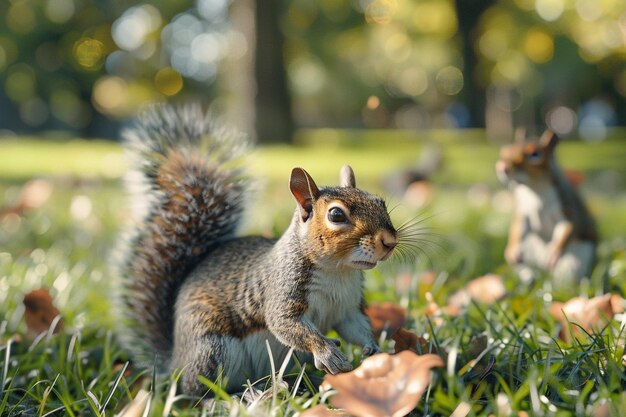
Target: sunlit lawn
(66,245)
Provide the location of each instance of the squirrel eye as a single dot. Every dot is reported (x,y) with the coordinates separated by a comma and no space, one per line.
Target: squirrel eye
(534,156)
(336,215)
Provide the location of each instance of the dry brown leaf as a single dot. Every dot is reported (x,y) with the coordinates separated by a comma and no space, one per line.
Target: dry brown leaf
(618,304)
(477,345)
(137,406)
(35,193)
(589,313)
(602,409)
(407,340)
(486,289)
(40,313)
(386,316)
(321,410)
(475,349)
(384,385)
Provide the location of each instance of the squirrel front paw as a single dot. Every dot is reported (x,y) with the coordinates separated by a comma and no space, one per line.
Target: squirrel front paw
(332,341)
(331,360)
(554,253)
(513,255)
(370,349)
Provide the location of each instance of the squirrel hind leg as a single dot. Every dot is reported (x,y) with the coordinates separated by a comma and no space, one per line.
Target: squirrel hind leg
(205,356)
(575,263)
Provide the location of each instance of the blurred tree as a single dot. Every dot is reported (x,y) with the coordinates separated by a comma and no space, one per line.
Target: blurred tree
(545,60)
(55,56)
(88,65)
(273,120)
(469,13)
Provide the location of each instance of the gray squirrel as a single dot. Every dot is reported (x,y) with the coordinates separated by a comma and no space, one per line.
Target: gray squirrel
(206,301)
(551,228)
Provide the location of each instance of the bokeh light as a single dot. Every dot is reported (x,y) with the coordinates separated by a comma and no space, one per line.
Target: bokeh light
(89,53)
(59,11)
(538,45)
(67,64)
(20,17)
(131,30)
(561,120)
(449,80)
(168,81)
(550,10)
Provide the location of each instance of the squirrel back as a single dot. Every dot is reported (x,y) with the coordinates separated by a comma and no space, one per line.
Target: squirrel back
(192,192)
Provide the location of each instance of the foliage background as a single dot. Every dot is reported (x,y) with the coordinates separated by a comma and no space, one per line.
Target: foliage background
(88,65)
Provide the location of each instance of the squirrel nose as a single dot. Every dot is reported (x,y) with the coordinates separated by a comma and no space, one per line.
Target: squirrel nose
(388,242)
(389,245)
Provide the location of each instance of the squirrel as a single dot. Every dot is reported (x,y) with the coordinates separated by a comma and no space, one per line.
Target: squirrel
(206,301)
(551,229)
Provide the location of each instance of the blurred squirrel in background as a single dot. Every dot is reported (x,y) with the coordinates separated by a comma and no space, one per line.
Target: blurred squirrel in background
(551,229)
(209,303)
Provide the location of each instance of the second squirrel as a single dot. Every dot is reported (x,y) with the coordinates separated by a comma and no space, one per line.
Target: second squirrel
(206,301)
(551,229)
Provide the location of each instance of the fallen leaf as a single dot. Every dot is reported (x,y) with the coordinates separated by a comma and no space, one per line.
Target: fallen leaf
(34,194)
(137,406)
(486,289)
(321,410)
(602,409)
(461,410)
(589,313)
(384,385)
(40,313)
(477,362)
(407,340)
(476,346)
(386,316)
(617,304)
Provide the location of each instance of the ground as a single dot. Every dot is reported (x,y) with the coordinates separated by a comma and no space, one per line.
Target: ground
(65,244)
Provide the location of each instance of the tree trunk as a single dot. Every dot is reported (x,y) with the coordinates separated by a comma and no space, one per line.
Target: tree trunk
(273,118)
(468,14)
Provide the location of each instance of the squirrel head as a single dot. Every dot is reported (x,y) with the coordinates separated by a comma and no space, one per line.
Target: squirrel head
(527,163)
(341,227)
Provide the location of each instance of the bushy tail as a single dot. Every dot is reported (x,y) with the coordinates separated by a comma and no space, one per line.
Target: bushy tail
(192,195)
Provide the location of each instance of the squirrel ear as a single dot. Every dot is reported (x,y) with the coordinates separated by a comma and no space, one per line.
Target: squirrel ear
(304,190)
(346,177)
(548,140)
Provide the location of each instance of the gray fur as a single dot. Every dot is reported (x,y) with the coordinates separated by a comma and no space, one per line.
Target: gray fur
(206,301)
(154,258)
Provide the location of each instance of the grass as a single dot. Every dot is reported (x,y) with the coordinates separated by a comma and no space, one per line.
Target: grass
(65,245)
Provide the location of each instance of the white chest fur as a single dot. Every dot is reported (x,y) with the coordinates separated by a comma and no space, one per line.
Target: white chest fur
(541,206)
(331,297)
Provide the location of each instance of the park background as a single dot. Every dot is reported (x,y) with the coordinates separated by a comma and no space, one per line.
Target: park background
(87,66)
(385,85)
